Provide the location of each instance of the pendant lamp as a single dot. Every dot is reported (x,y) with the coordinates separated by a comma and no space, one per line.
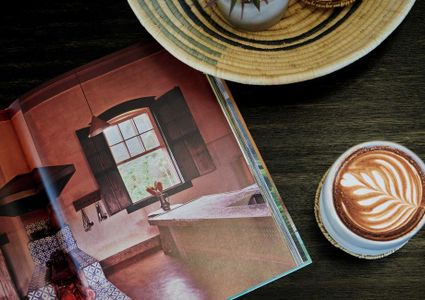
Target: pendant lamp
(97,125)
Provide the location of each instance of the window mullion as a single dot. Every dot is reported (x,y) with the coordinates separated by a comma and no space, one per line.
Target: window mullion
(143,144)
(139,155)
(123,141)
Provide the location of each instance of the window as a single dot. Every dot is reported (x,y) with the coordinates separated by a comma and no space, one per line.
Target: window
(133,152)
(141,154)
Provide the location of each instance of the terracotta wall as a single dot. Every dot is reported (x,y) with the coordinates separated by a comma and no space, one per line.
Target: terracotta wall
(12,163)
(24,137)
(53,124)
(12,159)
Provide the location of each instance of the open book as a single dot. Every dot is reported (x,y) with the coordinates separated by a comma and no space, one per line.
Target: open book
(134,177)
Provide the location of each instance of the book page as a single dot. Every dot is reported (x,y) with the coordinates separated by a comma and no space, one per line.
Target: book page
(151,193)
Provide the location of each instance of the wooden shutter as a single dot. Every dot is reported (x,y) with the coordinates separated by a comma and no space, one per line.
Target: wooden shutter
(182,135)
(104,169)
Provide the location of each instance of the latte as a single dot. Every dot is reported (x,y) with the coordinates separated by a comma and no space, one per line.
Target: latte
(378,193)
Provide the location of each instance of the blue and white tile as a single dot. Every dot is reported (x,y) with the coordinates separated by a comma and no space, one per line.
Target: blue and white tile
(44,293)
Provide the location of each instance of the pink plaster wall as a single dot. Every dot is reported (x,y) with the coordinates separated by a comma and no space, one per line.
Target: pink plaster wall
(25,140)
(53,124)
(12,158)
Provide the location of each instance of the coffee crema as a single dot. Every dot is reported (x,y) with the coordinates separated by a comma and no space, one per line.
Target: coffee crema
(378,193)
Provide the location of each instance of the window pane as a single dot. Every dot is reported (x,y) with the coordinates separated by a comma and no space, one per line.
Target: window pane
(112,135)
(150,140)
(135,146)
(143,123)
(145,170)
(127,129)
(120,152)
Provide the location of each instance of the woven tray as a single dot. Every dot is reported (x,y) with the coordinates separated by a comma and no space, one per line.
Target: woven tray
(308,42)
(329,3)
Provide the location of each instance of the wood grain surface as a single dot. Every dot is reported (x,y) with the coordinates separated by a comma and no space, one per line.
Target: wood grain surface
(300,128)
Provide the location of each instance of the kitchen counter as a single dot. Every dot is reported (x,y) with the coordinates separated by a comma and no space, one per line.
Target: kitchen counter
(223,206)
(227,227)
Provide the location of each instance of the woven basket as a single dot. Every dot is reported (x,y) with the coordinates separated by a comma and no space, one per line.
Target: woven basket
(329,3)
(308,42)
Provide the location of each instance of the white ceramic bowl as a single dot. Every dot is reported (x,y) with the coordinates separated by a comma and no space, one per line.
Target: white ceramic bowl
(337,229)
(251,18)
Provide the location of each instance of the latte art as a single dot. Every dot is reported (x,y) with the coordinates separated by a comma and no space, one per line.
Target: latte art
(378,194)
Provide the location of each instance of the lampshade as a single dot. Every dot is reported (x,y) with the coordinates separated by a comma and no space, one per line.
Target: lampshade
(97,126)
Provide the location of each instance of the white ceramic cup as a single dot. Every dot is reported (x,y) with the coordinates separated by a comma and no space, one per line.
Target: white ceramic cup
(337,229)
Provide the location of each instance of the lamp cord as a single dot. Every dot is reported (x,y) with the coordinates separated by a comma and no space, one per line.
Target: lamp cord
(84,94)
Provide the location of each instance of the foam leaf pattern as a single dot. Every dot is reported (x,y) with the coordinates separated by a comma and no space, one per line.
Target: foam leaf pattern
(384,189)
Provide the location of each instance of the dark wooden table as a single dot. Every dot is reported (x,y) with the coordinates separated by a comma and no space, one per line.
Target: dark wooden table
(300,128)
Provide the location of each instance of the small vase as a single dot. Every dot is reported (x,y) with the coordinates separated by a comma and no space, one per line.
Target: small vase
(250,18)
(163,199)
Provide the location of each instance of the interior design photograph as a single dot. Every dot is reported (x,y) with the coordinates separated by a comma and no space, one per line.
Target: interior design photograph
(120,180)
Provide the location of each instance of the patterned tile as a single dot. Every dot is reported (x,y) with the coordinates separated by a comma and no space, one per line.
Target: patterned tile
(81,258)
(66,240)
(39,278)
(104,289)
(36,226)
(41,250)
(94,274)
(109,291)
(44,293)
